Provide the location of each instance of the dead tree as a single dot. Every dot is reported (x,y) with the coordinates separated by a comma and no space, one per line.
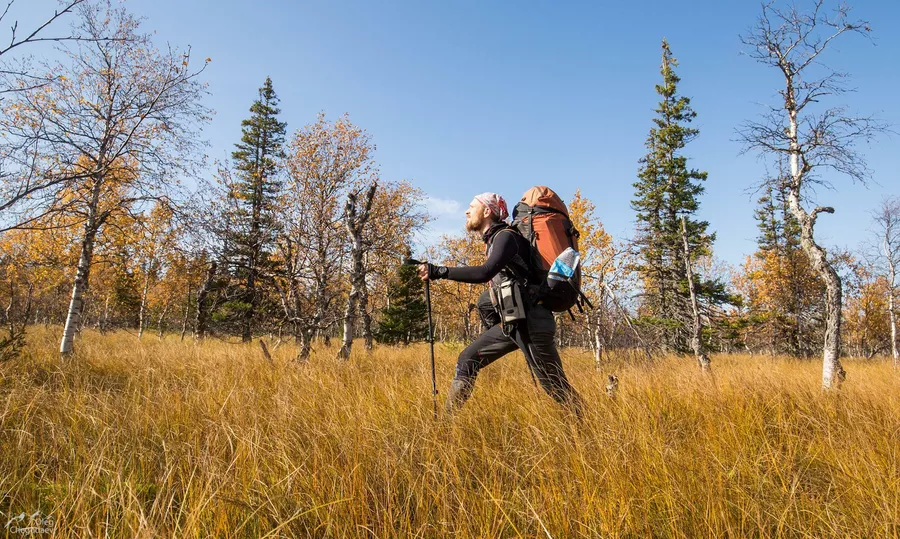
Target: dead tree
(356,215)
(324,161)
(265,350)
(808,136)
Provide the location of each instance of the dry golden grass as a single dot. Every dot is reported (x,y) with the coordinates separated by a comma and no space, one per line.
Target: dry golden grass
(164,438)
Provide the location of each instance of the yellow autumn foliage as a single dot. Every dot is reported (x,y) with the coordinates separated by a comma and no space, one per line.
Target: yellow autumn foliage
(161,438)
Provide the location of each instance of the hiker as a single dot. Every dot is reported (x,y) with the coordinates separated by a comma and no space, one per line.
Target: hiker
(508,256)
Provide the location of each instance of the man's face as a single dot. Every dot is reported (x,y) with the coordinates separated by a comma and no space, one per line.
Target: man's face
(476,215)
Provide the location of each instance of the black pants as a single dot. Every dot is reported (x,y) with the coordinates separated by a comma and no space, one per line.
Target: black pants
(489,316)
(536,338)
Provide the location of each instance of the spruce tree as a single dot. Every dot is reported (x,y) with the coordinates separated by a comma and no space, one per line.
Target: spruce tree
(768,223)
(255,161)
(666,190)
(405,317)
(791,314)
(779,230)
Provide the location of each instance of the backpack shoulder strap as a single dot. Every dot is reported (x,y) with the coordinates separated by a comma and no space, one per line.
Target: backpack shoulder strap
(509,229)
(518,266)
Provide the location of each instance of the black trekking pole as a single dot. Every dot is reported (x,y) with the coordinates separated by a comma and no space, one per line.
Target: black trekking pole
(434,390)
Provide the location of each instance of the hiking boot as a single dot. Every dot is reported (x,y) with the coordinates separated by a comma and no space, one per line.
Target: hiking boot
(460,390)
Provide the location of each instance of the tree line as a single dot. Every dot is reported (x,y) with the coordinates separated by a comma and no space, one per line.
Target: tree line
(108,220)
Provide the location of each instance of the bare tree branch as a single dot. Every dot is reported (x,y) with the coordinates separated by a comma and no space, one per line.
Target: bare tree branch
(792,41)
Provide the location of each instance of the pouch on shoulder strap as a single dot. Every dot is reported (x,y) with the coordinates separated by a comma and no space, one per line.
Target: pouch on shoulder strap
(508,296)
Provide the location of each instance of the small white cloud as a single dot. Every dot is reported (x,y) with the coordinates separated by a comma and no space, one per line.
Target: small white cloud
(439,206)
(433,235)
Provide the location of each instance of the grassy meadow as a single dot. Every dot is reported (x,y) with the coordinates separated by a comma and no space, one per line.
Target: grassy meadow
(163,438)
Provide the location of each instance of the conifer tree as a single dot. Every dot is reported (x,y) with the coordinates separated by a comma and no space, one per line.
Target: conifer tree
(768,223)
(785,306)
(256,186)
(404,318)
(666,190)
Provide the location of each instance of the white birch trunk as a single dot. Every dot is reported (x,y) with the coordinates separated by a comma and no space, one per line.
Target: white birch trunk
(187,310)
(696,342)
(162,318)
(349,322)
(368,337)
(893,314)
(76,303)
(832,371)
(104,322)
(142,311)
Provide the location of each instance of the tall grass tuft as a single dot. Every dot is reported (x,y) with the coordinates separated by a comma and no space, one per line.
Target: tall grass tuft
(163,438)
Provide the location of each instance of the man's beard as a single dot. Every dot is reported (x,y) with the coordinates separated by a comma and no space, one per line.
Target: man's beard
(474,224)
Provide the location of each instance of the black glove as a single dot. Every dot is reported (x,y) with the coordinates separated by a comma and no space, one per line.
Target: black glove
(437,272)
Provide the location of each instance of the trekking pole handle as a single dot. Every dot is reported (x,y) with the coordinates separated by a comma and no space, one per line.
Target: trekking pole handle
(419,264)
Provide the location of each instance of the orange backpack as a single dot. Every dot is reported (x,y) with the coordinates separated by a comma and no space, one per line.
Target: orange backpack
(543,219)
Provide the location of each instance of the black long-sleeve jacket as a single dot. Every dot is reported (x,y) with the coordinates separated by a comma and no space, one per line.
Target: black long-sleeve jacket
(502,250)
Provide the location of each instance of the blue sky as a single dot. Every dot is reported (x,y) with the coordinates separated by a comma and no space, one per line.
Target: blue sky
(463,97)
